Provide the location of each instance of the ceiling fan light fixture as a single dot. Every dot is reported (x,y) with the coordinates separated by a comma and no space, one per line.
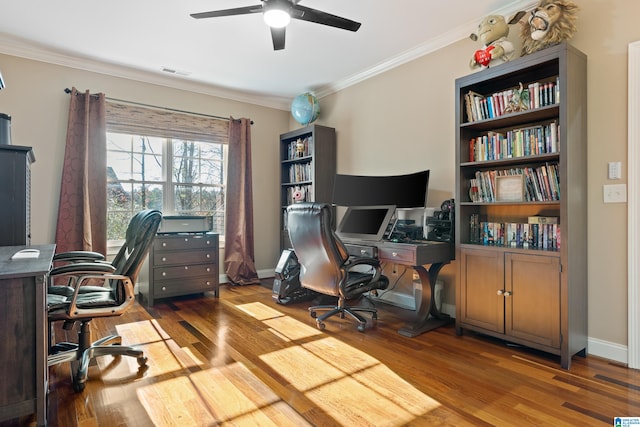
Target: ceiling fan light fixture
(277,14)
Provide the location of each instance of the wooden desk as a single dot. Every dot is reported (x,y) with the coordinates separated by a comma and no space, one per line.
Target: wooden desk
(23,333)
(435,255)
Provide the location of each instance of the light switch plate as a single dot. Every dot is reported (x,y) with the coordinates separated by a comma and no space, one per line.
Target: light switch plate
(615,193)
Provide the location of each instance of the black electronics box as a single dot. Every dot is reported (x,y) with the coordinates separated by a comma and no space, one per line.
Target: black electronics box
(185,224)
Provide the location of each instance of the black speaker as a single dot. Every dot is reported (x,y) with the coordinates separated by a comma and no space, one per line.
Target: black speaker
(286,284)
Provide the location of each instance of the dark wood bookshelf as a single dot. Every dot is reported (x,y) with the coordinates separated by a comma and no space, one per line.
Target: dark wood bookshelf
(529,296)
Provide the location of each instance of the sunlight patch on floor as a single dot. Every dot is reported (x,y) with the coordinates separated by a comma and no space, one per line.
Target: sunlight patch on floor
(187,406)
(290,329)
(259,310)
(236,395)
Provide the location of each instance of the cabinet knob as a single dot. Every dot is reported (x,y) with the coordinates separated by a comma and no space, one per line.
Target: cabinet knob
(164,273)
(186,239)
(208,242)
(394,253)
(363,251)
(500,292)
(208,269)
(164,259)
(208,283)
(164,244)
(186,267)
(507,294)
(208,256)
(164,288)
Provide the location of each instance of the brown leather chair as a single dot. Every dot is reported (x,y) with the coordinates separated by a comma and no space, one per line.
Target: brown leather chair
(325,265)
(97,288)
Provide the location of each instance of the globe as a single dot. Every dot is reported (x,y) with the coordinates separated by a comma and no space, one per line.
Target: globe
(305,108)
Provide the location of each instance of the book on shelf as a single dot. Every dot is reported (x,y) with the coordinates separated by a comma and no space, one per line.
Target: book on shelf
(539,219)
(540,183)
(514,234)
(521,142)
(524,97)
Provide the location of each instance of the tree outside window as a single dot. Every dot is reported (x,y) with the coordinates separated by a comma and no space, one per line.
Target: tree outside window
(175,176)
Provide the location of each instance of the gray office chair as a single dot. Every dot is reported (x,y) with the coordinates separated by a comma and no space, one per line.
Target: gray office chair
(325,265)
(96,288)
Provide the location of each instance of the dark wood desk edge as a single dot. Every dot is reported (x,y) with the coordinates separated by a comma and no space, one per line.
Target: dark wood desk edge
(434,254)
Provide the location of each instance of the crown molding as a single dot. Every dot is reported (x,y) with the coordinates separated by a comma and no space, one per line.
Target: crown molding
(15,47)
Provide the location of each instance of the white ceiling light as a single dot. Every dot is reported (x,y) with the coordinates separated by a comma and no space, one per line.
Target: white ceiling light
(277,13)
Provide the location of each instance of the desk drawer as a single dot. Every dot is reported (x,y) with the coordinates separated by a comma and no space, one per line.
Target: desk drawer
(399,255)
(182,258)
(200,241)
(184,271)
(170,288)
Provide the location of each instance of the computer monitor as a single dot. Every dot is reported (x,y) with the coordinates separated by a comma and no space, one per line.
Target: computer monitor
(365,222)
(407,191)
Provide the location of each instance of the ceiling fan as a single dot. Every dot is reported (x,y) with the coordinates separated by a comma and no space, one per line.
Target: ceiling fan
(278,13)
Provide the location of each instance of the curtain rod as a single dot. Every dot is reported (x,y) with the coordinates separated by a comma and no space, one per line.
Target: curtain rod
(174,110)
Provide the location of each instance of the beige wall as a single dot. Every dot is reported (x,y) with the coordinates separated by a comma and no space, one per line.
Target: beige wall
(403,120)
(396,122)
(35,99)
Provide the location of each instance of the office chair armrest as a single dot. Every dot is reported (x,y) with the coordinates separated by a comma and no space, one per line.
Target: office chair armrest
(82,268)
(78,256)
(355,260)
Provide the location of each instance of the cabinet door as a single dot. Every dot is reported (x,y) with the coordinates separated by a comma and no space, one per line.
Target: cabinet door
(532,301)
(481,284)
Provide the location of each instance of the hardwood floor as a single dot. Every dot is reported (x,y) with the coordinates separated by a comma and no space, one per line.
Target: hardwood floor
(245,360)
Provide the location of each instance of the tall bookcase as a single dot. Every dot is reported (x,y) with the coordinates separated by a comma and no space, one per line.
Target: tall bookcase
(307,170)
(521,282)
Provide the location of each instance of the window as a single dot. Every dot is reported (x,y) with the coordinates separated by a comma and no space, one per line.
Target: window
(164,160)
(175,176)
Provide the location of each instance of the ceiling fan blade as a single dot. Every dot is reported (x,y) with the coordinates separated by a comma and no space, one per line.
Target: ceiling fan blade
(228,12)
(324,18)
(277,34)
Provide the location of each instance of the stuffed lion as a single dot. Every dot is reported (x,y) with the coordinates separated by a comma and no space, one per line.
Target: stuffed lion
(550,23)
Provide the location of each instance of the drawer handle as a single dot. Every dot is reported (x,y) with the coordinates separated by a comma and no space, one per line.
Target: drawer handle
(208,256)
(208,283)
(208,269)
(164,288)
(363,251)
(164,273)
(164,259)
(186,239)
(208,242)
(186,267)
(394,253)
(164,244)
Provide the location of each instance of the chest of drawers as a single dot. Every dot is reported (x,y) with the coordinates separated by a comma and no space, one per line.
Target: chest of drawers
(183,265)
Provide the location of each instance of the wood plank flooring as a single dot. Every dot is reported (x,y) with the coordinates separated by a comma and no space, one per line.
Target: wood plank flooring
(244,360)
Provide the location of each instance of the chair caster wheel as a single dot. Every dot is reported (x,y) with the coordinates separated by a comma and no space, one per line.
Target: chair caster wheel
(78,386)
(361,328)
(312,314)
(142,361)
(320,325)
(374,316)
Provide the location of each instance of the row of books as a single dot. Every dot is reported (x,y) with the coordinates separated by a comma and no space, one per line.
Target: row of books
(300,148)
(540,184)
(514,235)
(299,172)
(299,193)
(534,95)
(529,141)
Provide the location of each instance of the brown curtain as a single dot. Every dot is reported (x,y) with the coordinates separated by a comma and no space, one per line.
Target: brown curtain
(239,260)
(82,210)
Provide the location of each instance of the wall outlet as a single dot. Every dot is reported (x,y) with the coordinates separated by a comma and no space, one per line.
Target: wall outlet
(615,193)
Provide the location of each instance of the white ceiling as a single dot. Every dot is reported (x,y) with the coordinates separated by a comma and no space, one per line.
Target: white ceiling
(233,56)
